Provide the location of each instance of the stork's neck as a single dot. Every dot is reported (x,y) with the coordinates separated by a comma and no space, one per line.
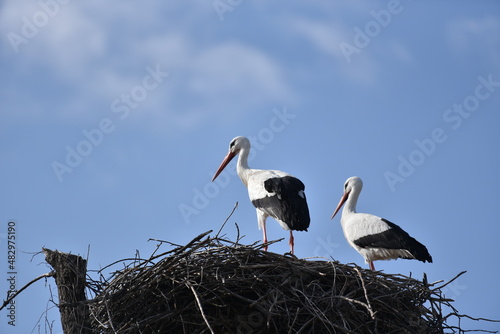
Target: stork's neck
(350,204)
(242,166)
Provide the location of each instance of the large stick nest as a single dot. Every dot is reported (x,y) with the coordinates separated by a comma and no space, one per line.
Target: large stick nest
(213,285)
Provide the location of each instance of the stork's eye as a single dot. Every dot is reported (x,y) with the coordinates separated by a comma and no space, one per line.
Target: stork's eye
(345,186)
(232,144)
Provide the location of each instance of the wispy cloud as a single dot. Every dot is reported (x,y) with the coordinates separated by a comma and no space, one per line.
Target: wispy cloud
(236,72)
(96,56)
(356,50)
(470,35)
(399,52)
(326,37)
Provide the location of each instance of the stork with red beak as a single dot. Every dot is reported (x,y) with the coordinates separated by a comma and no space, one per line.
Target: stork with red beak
(272,192)
(373,237)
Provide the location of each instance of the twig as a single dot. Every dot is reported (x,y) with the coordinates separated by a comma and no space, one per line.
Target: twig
(234,208)
(164,242)
(200,307)
(475,319)
(357,302)
(110,319)
(9,299)
(237,233)
(454,278)
(372,314)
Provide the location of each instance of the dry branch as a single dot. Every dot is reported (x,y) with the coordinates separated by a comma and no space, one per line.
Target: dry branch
(10,297)
(69,272)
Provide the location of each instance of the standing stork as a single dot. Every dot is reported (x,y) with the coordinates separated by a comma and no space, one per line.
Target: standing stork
(373,237)
(272,192)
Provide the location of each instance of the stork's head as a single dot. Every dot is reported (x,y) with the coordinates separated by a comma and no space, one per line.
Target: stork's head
(353,183)
(238,143)
(235,146)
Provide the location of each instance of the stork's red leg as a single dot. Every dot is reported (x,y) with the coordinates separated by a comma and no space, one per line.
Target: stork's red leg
(262,224)
(291,243)
(372,267)
(264,238)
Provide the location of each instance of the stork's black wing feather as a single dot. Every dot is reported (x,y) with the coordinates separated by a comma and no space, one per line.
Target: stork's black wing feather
(395,238)
(286,201)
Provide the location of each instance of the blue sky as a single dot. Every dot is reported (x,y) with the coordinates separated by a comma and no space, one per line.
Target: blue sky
(115,116)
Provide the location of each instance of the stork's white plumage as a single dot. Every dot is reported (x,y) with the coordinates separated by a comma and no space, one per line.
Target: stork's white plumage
(373,237)
(273,193)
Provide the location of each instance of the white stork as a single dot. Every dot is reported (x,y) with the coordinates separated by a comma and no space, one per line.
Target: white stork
(373,237)
(272,192)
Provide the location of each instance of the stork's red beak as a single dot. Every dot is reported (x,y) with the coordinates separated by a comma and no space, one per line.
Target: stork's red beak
(230,155)
(342,201)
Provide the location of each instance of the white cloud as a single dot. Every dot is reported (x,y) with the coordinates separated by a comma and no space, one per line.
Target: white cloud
(12,13)
(471,35)
(399,51)
(236,72)
(361,66)
(225,81)
(100,51)
(327,37)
